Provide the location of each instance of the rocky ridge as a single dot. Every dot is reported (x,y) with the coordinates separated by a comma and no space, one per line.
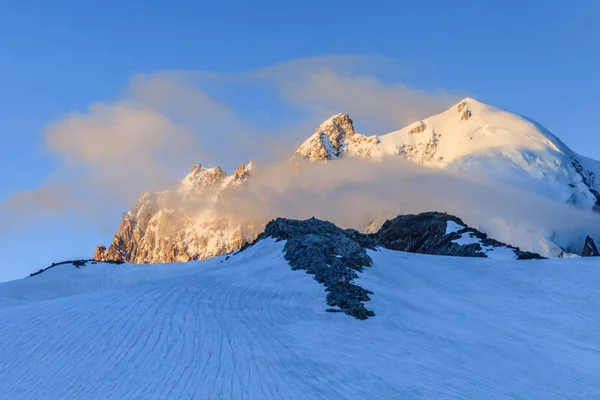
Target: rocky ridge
(336,138)
(441,234)
(589,248)
(181,224)
(333,255)
(336,256)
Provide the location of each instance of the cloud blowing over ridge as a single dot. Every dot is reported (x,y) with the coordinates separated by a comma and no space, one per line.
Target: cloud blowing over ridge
(356,193)
(167,121)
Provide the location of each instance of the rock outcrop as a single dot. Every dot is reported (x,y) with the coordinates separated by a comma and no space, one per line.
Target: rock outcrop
(589,248)
(417,128)
(181,224)
(335,256)
(333,139)
(588,178)
(464,112)
(440,234)
(74,263)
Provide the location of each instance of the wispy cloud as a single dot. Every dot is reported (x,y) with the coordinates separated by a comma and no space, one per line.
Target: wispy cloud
(123,147)
(356,192)
(164,122)
(380,106)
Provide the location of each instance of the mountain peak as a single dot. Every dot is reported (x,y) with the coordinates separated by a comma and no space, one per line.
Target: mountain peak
(200,174)
(242,171)
(334,138)
(328,141)
(470,100)
(339,119)
(470,136)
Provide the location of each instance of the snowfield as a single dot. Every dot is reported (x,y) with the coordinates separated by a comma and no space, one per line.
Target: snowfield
(249,327)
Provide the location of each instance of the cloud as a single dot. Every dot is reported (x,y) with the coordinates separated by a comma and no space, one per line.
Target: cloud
(278,106)
(124,148)
(109,155)
(355,193)
(166,121)
(381,106)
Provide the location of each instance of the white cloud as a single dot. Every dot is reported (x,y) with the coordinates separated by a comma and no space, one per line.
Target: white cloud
(169,120)
(352,192)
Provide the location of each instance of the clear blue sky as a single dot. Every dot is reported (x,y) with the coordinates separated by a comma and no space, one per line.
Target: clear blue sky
(538,58)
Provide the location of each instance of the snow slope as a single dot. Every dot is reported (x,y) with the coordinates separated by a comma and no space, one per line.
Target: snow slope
(251,328)
(501,146)
(475,138)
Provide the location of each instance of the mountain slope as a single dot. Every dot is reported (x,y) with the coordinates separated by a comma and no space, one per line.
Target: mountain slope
(471,137)
(181,224)
(477,138)
(250,327)
(335,138)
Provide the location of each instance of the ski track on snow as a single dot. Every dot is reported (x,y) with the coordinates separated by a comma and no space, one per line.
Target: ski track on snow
(251,328)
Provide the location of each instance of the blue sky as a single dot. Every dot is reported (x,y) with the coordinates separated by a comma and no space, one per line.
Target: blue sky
(537,58)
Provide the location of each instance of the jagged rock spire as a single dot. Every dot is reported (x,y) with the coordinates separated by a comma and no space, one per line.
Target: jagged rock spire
(589,248)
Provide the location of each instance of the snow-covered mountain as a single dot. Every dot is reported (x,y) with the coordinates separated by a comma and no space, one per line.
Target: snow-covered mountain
(477,138)
(181,224)
(336,138)
(259,325)
(472,137)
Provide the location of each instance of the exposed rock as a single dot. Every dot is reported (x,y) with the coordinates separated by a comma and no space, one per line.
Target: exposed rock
(418,128)
(589,180)
(426,233)
(180,225)
(100,252)
(589,248)
(421,152)
(242,171)
(333,255)
(75,263)
(464,112)
(334,138)
(202,183)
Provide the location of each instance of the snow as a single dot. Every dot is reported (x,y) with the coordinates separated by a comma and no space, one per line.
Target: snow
(319,146)
(496,253)
(499,253)
(497,145)
(466,239)
(452,227)
(251,328)
(331,151)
